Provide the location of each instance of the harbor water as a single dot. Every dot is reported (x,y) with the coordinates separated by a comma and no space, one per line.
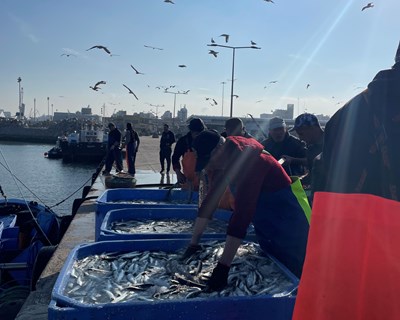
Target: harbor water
(26,173)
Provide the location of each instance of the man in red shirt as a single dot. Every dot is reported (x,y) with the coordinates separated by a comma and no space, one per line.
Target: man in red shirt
(263,195)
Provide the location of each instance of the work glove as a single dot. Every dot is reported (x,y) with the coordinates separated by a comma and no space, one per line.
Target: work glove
(190,251)
(219,278)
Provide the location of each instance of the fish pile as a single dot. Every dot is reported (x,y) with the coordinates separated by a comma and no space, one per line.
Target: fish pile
(157,275)
(164,226)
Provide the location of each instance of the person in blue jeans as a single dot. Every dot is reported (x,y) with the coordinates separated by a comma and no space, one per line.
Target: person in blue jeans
(263,195)
(113,149)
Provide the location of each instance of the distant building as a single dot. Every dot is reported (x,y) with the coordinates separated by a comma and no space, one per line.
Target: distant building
(182,114)
(284,114)
(167,115)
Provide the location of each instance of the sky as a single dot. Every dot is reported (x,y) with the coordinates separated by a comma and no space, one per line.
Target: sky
(314,54)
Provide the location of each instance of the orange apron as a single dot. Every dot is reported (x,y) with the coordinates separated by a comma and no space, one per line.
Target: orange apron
(188,168)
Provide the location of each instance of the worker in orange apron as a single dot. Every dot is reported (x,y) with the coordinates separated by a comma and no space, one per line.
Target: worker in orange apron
(184,159)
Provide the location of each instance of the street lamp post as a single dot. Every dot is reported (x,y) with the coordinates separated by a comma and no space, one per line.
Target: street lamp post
(19,94)
(233,64)
(223,90)
(48,108)
(175,93)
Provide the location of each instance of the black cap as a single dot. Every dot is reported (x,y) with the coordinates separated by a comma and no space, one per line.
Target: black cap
(204,144)
(196,124)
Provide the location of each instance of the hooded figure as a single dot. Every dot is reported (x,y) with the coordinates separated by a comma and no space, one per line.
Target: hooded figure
(361,152)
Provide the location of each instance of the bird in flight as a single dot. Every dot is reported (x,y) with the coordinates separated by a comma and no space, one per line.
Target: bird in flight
(269,1)
(253,43)
(308,85)
(214,53)
(137,72)
(154,48)
(274,81)
(96,86)
(215,102)
(212,40)
(169,1)
(226,36)
(131,92)
(369,5)
(182,66)
(100,47)
(186,92)
(68,55)
(235,95)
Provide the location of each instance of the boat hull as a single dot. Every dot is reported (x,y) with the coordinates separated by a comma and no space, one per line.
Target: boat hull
(83,151)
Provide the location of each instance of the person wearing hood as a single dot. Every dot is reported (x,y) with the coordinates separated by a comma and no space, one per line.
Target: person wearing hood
(361,152)
(263,195)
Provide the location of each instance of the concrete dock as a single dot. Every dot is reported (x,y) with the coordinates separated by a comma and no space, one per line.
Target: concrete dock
(82,228)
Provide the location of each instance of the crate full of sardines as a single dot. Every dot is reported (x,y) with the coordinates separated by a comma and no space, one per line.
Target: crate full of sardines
(148,279)
(160,223)
(139,198)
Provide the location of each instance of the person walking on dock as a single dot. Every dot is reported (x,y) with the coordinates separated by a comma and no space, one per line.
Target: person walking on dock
(166,142)
(113,149)
(132,143)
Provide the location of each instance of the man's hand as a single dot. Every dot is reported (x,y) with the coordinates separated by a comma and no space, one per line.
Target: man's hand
(190,251)
(219,278)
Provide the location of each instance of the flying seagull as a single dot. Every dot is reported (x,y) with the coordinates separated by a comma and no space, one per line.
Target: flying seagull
(182,66)
(96,86)
(169,1)
(214,53)
(68,55)
(269,1)
(274,81)
(226,36)
(308,85)
(137,72)
(154,48)
(253,43)
(100,47)
(369,5)
(215,102)
(131,92)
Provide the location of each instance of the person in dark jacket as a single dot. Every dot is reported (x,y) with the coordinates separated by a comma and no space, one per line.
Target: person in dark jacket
(361,152)
(183,152)
(113,149)
(166,141)
(308,130)
(263,195)
(280,143)
(132,142)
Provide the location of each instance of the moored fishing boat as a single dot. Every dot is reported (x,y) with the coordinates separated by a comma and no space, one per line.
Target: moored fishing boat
(30,234)
(90,144)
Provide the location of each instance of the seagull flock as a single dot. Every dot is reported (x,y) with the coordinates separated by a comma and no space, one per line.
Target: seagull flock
(214,53)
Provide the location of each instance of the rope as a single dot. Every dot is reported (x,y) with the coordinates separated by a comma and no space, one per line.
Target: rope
(58,203)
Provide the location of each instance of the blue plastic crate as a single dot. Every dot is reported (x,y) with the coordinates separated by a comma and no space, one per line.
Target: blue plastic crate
(106,234)
(114,199)
(247,307)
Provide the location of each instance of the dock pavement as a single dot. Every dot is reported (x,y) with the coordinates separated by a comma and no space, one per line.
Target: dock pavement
(82,227)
